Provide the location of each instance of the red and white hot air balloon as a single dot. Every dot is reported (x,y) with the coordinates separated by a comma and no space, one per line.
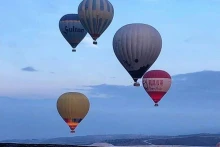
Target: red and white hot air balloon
(156,83)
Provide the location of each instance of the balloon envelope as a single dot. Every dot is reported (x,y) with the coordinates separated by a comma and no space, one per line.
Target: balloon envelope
(156,83)
(72,29)
(137,46)
(95,16)
(73,107)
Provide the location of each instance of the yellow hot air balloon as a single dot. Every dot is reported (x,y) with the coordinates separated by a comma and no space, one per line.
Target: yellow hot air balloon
(73,107)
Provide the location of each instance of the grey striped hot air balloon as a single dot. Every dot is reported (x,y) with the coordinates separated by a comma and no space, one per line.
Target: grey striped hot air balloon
(95,16)
(137,46)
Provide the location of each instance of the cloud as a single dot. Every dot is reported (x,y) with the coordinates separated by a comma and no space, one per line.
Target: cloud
(29,69)
(98,91)
(89,91)
(88,42)
(99,95)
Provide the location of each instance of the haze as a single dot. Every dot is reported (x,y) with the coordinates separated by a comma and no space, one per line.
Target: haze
(37,66)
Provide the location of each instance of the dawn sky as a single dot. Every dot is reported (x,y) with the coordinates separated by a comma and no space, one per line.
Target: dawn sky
(36,60)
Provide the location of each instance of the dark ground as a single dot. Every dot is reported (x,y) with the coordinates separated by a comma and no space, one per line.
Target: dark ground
(202,139)
(35,145)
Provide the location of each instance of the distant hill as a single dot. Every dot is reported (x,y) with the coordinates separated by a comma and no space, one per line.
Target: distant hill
(187,140)
(129,140)
(191,106)
(78,140)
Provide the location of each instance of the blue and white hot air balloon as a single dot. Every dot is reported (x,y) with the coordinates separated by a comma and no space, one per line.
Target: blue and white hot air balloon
(95,16)
(72,29)
(137,46)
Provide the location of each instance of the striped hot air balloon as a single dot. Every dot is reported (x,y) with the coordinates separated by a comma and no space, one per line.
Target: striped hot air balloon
(156,83)
(73,107)
(137,46)
(95,16)
(72,29)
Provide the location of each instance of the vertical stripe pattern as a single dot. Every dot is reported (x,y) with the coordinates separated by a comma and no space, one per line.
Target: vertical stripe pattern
(72,29)
(137,46)
(95,16)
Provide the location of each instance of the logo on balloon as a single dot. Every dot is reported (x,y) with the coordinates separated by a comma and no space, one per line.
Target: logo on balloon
(153,85)
(73,29)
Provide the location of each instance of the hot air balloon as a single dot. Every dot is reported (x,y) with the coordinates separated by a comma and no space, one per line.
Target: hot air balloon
(156,83)
(218,144)
(95,16)
(137,46)
(72,29)
(73,107)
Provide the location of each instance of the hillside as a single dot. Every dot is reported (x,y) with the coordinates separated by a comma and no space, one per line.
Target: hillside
(129,140)
(191,140)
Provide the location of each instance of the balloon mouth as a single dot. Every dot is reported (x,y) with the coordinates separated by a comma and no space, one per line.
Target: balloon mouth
(73,50)
(95,42)
(136,84)
(156,105)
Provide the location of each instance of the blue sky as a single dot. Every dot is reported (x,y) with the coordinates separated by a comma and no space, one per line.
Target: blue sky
(30,40)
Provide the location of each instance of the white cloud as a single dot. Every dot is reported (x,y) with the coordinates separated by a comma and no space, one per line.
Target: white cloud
(88,42)
(99,95)
(88,91)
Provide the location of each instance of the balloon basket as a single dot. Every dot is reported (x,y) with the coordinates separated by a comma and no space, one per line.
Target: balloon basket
(95,42)
(73,50)
(72,131)
(136,84)
(156,105)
